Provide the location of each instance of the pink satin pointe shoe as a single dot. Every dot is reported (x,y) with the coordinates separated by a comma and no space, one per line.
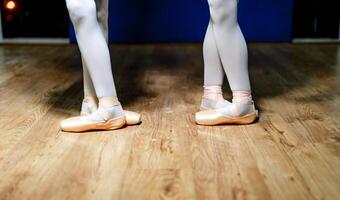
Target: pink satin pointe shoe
(109,116)
(132,118)
(89,106)
(241,111)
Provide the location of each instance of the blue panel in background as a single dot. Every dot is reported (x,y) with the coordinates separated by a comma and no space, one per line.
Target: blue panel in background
(266,20)
(148,21)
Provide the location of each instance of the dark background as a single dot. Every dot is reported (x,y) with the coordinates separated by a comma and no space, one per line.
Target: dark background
(35,18)
(144,21)
(316,19)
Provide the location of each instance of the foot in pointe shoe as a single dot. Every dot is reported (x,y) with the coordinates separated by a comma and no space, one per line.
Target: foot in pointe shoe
(89,106)
(240,111)
(109,116)
(212,98)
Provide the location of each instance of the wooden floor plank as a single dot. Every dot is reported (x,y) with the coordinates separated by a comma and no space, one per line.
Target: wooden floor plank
(33,95)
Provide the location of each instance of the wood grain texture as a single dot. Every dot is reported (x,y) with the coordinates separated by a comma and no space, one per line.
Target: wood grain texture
(292,152)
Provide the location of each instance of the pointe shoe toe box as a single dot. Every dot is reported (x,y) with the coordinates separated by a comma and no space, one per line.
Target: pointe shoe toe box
(207,117)
(74,124)
(132,118)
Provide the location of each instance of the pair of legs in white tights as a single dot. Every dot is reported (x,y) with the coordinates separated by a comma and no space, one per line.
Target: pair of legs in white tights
(224,45)
(225,50)
(101,109)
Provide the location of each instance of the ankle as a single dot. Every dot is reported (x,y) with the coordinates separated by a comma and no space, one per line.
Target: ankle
(109,108)
(212,97)
(90,99)
(89,105)
(212,92)
(242,97)
(108,102)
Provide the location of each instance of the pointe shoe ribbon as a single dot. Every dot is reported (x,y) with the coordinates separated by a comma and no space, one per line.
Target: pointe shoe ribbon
(212,91)
(212,97)
(243,97)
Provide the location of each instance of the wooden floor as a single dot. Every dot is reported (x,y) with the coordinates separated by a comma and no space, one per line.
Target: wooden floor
(293,152)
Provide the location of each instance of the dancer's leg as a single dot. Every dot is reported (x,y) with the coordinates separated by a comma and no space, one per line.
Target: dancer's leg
(232,50)
(90,101)
(231,44)
(102,16)
(92,45)
(213,72)
(96,56)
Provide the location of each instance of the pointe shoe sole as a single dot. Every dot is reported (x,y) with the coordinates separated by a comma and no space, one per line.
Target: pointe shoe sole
(221,120)
(132,118)
(111,124)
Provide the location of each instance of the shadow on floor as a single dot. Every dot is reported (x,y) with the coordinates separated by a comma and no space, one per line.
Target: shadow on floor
(275,69)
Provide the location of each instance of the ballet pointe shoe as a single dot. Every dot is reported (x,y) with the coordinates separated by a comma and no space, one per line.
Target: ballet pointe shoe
(109,116)
(89,106)
(241,111)
(132,118)
(212,118)
(81,124)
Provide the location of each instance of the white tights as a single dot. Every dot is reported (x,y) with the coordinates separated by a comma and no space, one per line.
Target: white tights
(89,18)
(224,45)
(225,50)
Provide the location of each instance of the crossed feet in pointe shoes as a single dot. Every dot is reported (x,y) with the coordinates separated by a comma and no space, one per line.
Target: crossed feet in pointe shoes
(109,115)
(217,111)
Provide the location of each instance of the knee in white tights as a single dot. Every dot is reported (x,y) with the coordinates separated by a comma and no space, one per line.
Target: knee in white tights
(80,10)
(222,11)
